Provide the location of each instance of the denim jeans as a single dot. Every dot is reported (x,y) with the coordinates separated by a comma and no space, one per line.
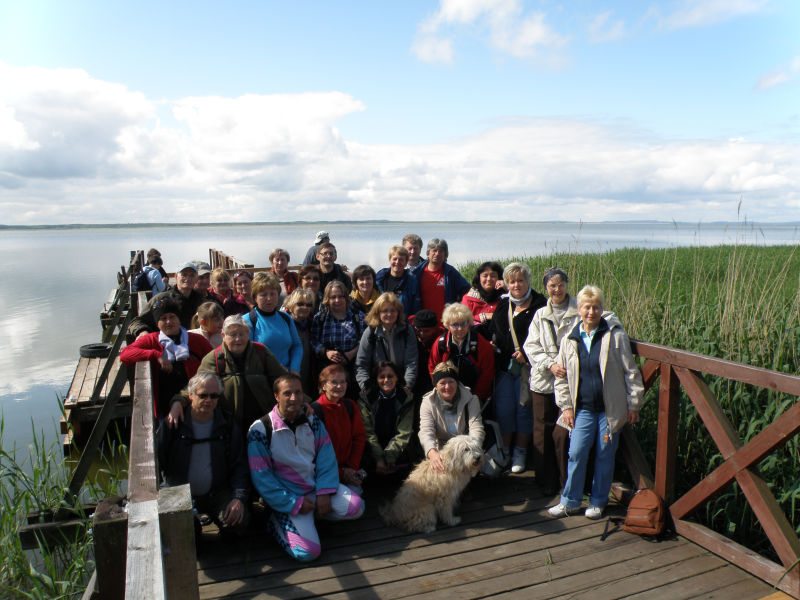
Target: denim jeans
(590,430)
(508,412)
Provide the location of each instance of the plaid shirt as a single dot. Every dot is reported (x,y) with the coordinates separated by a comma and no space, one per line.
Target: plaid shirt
(330,333)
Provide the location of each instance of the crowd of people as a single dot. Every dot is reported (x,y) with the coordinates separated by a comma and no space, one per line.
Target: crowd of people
(300,389)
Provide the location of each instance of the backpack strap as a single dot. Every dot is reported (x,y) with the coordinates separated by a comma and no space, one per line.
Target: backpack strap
(217,353)
(320,413)
(267,423)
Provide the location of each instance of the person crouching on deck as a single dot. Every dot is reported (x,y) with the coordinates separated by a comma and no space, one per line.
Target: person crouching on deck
(207,451)
(343,422)
(293,467)
(174,353)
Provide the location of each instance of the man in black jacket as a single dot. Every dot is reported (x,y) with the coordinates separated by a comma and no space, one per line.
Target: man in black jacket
(207,451)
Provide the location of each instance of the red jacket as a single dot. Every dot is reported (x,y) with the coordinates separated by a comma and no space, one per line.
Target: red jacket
(475,366)
(289,281)
(478,305)
(148,347)
(346,431)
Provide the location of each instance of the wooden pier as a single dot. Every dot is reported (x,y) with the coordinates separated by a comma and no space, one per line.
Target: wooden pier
(505,547)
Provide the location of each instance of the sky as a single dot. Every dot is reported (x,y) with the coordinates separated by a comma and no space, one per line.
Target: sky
(519,110)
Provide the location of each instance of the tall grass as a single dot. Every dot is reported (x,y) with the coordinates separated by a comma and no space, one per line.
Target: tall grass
(33,479)
(734,302)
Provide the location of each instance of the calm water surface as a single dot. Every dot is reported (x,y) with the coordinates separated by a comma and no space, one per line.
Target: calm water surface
(55,281)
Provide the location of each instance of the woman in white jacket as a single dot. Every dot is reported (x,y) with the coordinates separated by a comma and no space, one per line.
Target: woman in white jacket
(601,393)
(549,326)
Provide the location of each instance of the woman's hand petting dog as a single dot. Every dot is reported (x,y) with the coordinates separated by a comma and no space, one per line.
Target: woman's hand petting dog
(437,464)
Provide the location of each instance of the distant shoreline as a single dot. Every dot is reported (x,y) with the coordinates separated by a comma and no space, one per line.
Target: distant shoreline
(377,221)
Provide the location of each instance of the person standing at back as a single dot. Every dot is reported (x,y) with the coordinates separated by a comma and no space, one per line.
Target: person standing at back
(322,237)
(329,270)
(413,243)
(440,283)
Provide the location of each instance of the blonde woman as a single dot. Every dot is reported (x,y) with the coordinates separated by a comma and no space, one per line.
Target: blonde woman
(601,393)
(387,337)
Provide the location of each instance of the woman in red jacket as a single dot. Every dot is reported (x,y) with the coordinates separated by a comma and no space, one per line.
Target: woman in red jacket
(343,422)
(173,352)
(470,352)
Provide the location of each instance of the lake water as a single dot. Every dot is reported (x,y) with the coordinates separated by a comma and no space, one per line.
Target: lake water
(56,280)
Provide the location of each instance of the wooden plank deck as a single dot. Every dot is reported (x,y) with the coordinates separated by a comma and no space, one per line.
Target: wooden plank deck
(77,406)
(505,547)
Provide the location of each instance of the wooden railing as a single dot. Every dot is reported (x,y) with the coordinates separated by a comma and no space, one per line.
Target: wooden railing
(676,369)
(217,258)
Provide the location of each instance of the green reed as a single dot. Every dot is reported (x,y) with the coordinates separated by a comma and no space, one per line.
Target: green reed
(33,479)
(734,302)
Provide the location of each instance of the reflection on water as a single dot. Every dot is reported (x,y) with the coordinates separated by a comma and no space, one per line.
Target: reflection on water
(55,281)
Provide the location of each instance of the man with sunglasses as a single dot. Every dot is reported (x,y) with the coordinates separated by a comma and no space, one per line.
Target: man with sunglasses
(207,451)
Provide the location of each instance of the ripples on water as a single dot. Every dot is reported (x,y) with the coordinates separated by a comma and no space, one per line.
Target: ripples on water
(55,281)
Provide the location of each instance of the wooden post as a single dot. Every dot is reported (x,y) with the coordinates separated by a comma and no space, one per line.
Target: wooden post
(144,569)
(176,519)
(110,528)
(668,396)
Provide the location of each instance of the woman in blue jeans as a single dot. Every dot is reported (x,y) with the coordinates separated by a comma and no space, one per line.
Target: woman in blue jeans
(600,394)
(509,329)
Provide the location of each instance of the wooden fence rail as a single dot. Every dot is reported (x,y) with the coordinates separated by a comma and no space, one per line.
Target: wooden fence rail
(678,369)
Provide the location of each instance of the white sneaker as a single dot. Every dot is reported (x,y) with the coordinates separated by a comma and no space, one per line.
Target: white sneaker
(559,510)
(518,460)
(593,512)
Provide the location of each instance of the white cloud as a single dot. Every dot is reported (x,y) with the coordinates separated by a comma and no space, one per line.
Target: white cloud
(700,13)
(605,29)
(431,49)
(282,157)
(502,23)
(780,75)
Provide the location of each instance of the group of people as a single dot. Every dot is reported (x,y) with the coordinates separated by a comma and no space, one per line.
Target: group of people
(301,387)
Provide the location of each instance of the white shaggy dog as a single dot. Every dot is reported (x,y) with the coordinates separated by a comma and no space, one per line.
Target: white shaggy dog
(426,494)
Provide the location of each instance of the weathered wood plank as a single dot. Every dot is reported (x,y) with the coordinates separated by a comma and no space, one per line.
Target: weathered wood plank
(142,476)
(666,450)
(726,581)
(144,574)
(176,522)
(89,380)
(77,380)
(397,565)
(110,525)
(772,380)
(774,435)
(741,556)
(580,563)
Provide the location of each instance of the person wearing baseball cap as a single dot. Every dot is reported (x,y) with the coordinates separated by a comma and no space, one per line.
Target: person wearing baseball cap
(322,237)
(182,294)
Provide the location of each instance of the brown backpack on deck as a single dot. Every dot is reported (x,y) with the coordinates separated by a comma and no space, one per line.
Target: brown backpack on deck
(646,514)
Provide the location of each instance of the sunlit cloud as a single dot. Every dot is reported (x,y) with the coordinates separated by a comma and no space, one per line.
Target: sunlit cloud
(701,13)
(282,157)
(780,75)
(503,24)
(603,28)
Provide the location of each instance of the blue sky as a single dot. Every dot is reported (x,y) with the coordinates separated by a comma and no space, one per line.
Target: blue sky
(471,109)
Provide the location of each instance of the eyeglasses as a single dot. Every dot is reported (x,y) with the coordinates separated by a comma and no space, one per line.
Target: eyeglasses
(306,304)
(460,324)
(212,396)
